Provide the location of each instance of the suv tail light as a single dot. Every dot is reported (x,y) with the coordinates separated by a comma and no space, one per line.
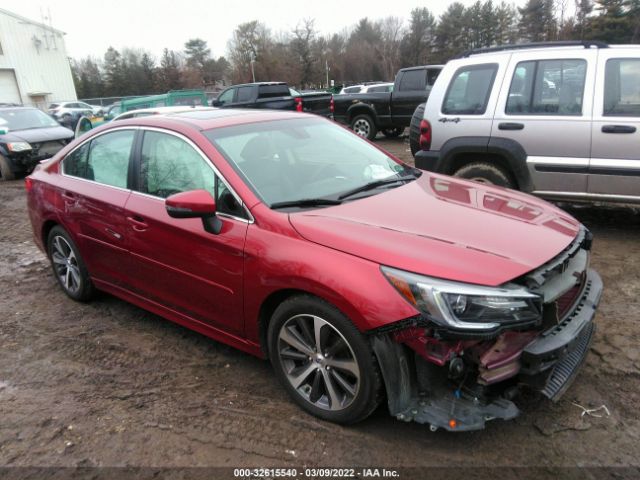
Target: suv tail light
(298,101)
(425,135)
(332,106)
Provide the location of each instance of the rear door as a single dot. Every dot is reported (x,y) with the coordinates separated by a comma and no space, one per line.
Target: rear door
(464,102)
(175,262)
(94,188)
(615,148)
(545,106)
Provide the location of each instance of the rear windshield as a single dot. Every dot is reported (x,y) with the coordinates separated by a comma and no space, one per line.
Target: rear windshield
(269,91)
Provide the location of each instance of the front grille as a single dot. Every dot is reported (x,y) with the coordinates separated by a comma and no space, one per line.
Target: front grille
(47,149)
(564,371)
(569,298)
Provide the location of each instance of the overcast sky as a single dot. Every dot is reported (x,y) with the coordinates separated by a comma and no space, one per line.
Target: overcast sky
(92,25)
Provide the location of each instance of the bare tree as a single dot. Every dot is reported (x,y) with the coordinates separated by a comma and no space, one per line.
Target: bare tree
(392,29)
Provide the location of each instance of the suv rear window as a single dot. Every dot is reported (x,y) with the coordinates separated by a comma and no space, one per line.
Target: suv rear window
(469,90)
(621,92)
(547,87)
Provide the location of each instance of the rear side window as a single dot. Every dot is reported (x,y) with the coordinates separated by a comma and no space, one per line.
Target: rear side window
(622,87)
(245,94)
(469,90)
(547,87)
(109,154)
(270,91)
(104,159)
(412,80)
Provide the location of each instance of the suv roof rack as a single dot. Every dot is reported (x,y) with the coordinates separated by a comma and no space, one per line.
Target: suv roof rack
(522,46)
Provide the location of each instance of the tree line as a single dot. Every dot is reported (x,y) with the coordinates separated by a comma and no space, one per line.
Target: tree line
(369,50)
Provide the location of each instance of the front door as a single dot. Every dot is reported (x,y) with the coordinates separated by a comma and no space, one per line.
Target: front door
(175,262)
(615,151)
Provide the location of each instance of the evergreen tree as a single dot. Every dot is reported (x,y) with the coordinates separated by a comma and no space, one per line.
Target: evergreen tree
(417,45)
(537,21)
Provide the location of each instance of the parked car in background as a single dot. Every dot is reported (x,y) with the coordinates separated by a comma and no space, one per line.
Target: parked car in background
(64,111)
(377,87)
(560,120)
(351,89)
(27,136)
(280,233)
(274,96)
(389,112)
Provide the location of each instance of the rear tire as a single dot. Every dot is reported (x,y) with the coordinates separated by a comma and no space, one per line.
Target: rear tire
(68,266)
(486,173)
(5,170)
(414,129)
(322,360)
(364,127)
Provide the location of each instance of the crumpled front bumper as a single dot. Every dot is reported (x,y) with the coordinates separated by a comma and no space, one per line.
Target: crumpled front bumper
(556,355)
(549,363)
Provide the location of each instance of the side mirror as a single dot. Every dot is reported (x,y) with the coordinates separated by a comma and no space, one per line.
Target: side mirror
(217,103)
(195,204)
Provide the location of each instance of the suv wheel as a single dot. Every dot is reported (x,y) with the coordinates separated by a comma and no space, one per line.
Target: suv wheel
(363,126)
(5,170)
(323,361)
(414,129)
(485,173)
(68,266)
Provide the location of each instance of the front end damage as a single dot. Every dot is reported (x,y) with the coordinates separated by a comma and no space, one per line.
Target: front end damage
(458,379)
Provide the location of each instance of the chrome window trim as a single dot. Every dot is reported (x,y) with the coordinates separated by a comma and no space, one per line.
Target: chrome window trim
(208,161)
(87,140)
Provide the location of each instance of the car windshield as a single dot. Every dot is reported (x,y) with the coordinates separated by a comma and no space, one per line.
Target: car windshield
(26,118)
(301,159)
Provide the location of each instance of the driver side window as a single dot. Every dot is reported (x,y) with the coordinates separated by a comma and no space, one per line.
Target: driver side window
(169,165)
(226,96)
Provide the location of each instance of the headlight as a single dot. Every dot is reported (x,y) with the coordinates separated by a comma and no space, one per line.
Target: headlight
(466,306)
(18,146)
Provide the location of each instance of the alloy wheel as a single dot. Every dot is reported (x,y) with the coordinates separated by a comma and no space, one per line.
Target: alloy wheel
(65,264)
(318,362)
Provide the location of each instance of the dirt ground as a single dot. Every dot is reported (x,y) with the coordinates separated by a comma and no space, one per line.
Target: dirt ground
(108,384)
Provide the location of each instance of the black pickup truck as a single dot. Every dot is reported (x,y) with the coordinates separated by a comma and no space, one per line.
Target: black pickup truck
(274,96)
(368,113)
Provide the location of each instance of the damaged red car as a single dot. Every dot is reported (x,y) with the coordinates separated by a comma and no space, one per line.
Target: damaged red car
(362,279)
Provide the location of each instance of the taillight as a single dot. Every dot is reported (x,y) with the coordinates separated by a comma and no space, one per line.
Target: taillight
(28,184)
(298,101)
(425,135)
(332,106)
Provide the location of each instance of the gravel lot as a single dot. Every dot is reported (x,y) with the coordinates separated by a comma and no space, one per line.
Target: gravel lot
(108,384)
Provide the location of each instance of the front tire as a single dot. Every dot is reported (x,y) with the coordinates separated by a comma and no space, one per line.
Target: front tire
(364,127)
(68,266)
(6,173)
(486,173)
(323,361)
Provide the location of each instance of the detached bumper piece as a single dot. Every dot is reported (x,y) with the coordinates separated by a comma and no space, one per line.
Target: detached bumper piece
(457,412)
(551,362)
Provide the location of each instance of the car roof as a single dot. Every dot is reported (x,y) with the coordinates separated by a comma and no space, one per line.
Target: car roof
(206,119)
(164,110)
(17,107)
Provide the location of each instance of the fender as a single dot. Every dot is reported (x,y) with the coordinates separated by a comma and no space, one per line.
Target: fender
(511,151)
(360,107)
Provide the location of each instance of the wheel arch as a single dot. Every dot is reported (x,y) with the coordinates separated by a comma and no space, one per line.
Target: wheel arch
(359,109)
(506,153)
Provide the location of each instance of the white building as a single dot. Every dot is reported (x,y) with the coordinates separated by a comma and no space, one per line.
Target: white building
(34,67)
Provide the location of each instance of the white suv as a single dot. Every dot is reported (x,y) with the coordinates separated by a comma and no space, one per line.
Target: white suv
(560,120)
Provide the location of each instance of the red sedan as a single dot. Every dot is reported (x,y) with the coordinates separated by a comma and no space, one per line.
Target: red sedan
(360,277)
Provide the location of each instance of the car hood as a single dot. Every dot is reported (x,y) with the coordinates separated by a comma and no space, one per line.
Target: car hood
(38,135)
(446,228)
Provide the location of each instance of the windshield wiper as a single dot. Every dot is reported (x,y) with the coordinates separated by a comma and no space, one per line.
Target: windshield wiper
(306,202)
(378,183)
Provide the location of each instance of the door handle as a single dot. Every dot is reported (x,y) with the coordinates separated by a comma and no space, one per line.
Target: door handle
(618,129)
(68,196)
(510,126)
(138,223)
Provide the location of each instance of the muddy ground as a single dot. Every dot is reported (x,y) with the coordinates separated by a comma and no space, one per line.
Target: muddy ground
(108,384)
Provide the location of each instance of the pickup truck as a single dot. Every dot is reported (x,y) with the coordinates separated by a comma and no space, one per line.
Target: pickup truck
(274,96)
(389,112)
